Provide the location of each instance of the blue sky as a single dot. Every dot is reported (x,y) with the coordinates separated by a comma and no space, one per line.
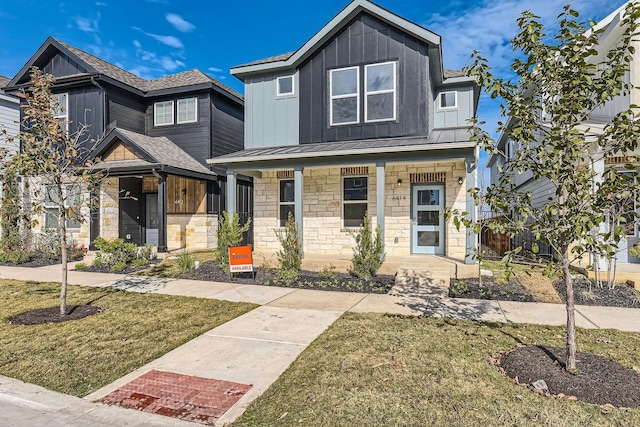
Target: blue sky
(153,38)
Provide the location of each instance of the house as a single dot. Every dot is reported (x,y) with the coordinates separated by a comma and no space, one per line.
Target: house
(9,120)
(361,118)
(543,191)
(153,138)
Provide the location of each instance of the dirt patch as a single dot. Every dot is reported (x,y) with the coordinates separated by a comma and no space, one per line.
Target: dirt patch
(489,289)
(619,296)
(52,315)
(599,380)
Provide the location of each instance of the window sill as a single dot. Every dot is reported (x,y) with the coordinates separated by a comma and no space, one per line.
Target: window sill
(350,229)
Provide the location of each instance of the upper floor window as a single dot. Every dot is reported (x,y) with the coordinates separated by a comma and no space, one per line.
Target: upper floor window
(344,85)
(380,92)
(188,110)
(163,113)
(448,100)
(285,86)
(60,106)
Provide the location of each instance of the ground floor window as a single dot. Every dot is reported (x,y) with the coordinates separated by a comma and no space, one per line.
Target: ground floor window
(72,194)
(354,200)
(286,200)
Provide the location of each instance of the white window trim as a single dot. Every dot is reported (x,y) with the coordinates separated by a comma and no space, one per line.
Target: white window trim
(155,116)
(284,203)
(195,120)
(293,86)
(455,102)
(379,92)
(65,107)
(352,202)
(351,95)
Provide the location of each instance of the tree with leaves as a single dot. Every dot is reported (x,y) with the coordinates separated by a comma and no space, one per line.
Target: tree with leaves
(52,160)
(561,80)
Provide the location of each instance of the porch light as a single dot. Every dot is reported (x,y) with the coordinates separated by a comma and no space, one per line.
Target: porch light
(399,182)
(460,180)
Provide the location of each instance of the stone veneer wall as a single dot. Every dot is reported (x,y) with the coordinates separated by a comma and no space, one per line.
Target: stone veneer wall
(110,208)
(322,206)
(198,231)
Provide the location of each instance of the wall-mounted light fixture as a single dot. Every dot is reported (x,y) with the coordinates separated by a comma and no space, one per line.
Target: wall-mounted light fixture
(460,180)
(184,191)
(399,182)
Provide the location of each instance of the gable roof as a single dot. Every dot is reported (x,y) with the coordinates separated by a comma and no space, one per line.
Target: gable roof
(289,61)
(4,81)
(159,153)
(100,67)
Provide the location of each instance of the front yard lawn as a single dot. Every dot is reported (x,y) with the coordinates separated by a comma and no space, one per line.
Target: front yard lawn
(378,370)
(78,357)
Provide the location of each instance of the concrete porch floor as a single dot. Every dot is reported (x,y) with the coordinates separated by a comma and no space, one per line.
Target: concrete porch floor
(391,265)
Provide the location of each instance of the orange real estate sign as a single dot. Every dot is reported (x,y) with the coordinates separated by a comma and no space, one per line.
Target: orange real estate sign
(240,259)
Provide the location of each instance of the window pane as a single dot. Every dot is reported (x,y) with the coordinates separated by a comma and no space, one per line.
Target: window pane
(448,99)
(285,85)
(51,218)
(59,101)
(428,238)
(429,197)
(380,77)
(344,82)
(354,214)
(380,106)
(287,193)
(428,218)
(284,213)
(187,110)
(355,188)
(345,110)
(164,113)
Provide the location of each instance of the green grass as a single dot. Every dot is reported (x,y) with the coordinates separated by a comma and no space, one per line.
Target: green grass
(379,370)
(78,357)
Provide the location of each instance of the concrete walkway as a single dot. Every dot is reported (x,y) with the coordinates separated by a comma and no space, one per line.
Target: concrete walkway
(258,347)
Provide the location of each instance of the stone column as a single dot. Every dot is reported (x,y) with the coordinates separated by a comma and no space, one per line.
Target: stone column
(231,192)
(298,186)
(380,196)
(162,212)
(472,238)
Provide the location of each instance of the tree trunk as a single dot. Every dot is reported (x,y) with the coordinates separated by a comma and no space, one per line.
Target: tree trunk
(571,314)
(62,218)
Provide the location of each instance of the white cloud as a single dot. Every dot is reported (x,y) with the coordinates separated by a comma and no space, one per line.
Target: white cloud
(214,69)
(179,23)
(102,4)
(163,64)
(88,25)
(170,41)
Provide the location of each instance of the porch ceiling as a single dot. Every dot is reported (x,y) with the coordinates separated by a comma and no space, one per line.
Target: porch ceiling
(441,144)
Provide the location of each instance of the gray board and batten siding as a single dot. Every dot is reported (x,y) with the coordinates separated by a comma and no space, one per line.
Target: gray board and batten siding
(463,111)
(271,120)
(366,40)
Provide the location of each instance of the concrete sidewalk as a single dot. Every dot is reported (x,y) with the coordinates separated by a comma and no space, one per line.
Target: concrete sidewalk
(256,348)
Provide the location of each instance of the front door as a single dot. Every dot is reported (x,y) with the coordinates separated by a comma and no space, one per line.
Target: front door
(152,219)
(131,210)
(427,222)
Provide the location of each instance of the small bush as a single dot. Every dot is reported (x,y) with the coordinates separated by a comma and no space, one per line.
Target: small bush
(47,244)
(115,251)
(328,272)
(145,252)
(81,266)
(368,254)
(118,267)
(4,256)
(139,262)
(229,235)
(290,256)
(186,262)
(18,256)
(97,260)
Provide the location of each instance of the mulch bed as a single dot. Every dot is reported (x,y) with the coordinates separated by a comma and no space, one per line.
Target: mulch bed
(343,282)
(100,268)
(33,263)
(599,380)
(52,315)
(470,288)
(620,296)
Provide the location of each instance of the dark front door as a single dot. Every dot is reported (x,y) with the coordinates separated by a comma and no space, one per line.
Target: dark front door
(131,217)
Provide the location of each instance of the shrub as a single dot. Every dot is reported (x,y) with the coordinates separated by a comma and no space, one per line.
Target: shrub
(186,262)
(18,256)
(115,251)
(368,253)
(118,267)
(81,266)
(328,272)
(229,234)
(4,256)
(290,256)
(139,262)
(145,252)
(11,219)
(76,252)
(47,244)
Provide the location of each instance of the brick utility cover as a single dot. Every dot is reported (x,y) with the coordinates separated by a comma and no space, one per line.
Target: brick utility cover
(185,397)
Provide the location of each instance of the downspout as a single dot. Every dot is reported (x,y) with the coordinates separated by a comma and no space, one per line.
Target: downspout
(104,105)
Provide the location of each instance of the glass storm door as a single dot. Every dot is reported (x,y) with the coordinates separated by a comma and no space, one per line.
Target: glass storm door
(152,219)
(427,223)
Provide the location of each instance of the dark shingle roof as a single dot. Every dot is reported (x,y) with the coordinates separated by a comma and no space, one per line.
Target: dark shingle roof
(185,78)
(449,73)
(4,81)
(282,57)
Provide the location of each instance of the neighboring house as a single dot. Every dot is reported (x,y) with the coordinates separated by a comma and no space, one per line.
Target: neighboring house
(543,190)
(9,121)
(153,137)
(361,118)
